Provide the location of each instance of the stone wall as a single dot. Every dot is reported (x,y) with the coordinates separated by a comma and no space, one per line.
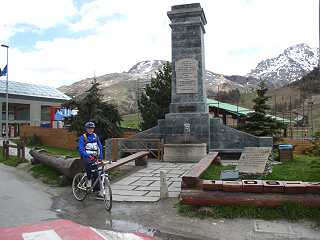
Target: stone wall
(224,137)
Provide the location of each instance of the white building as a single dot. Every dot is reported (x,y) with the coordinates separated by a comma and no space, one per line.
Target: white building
(29,104)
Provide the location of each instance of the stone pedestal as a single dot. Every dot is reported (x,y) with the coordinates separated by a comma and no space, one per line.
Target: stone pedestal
(184,152)
(172,128)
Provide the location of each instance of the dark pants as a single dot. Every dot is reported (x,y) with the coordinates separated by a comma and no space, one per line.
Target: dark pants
(92,175)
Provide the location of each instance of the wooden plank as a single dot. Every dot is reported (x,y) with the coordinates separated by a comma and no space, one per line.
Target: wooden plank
(141,140)
(138,150)
(205,198)
(191,178)
(125,160)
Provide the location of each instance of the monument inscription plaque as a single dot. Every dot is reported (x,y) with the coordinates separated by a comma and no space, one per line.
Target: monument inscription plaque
(186,108)
(186,75)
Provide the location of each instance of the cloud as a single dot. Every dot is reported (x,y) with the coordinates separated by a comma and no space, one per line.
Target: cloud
(123,32)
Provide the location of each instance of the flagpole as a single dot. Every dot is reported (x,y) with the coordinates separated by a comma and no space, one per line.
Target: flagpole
(7,94)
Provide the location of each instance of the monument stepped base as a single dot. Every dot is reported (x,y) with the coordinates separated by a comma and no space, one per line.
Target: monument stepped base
(184,152)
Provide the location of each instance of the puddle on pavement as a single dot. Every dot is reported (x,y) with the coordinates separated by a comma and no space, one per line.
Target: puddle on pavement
(126,226)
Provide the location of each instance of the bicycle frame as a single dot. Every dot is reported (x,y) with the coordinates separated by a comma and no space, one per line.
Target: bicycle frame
(101,177)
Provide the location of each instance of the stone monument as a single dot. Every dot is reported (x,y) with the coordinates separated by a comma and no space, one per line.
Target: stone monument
(188,131)
(188,109)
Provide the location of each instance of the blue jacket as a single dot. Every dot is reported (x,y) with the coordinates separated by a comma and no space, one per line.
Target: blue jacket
(90,139)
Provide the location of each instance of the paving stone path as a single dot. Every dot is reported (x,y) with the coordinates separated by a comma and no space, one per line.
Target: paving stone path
(144,185)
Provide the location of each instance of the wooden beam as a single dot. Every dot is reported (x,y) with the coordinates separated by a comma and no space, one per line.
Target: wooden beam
(205,198)
(192,177)
(127,159)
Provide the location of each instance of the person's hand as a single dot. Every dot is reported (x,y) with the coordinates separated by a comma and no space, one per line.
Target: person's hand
(92,157)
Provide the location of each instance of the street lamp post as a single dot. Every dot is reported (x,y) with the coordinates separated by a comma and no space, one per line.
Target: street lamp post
(7,97)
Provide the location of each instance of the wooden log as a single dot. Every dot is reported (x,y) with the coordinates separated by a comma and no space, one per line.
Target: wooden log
(66,165)
(205,198)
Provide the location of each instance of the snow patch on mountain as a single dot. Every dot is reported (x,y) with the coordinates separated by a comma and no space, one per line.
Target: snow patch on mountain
(289,66)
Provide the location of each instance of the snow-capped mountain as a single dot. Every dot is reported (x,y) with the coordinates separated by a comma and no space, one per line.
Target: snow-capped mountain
(288,67)
(146,67)
(123,88)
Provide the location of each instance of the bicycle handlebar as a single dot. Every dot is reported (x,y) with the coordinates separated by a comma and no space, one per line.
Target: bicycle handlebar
(97,163)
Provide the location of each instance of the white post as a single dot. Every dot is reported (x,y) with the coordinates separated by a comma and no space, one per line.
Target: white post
(163,185)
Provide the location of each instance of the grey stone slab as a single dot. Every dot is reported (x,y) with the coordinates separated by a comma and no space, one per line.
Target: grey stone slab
(167,175)
(176,179)
(120,198)
(148,188)
(175,185)
(169,167)
(128,192)
(128,180)
(159,170)
(152,179)
(154,167)
(146,170)
(173,194)
(122,187)
(141,183)
(155,184)
(174,189)
(175,171)
(153,194)
(137,174)
(157,194)
(187,166)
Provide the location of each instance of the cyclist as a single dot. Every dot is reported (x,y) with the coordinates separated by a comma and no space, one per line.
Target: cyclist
(90,150)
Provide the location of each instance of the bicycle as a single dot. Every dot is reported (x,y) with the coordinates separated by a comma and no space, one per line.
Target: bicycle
(80,189)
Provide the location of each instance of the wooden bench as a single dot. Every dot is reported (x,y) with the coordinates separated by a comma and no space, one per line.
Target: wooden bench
(140,159)
(191,178)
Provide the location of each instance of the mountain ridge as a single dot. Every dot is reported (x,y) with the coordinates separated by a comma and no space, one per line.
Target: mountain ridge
(122,88)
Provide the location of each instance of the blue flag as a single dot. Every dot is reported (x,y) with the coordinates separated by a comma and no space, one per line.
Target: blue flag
(4,71)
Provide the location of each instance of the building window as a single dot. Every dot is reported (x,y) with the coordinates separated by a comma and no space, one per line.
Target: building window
(45,113)
(17,112)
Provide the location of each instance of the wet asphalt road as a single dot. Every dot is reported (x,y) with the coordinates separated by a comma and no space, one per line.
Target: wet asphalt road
(22,199)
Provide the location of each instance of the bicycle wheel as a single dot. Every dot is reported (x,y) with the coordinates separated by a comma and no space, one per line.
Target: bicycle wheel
(107,194)
(79,186)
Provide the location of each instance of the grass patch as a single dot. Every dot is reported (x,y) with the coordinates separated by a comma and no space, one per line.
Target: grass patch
(287,211)
(48,175)
(213,172)
(11,161)
(130,121)
(302,167)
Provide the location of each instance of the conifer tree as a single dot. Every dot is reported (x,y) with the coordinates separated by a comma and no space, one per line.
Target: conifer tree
(91,108)
(154,102)
(259,123)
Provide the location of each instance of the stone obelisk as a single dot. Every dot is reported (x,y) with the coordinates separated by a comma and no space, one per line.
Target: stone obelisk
(188,109)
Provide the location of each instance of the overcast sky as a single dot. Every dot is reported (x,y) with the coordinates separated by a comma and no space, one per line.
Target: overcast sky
(58,42)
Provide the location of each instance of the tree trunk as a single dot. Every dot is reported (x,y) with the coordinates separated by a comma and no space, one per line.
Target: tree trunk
(66,165)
